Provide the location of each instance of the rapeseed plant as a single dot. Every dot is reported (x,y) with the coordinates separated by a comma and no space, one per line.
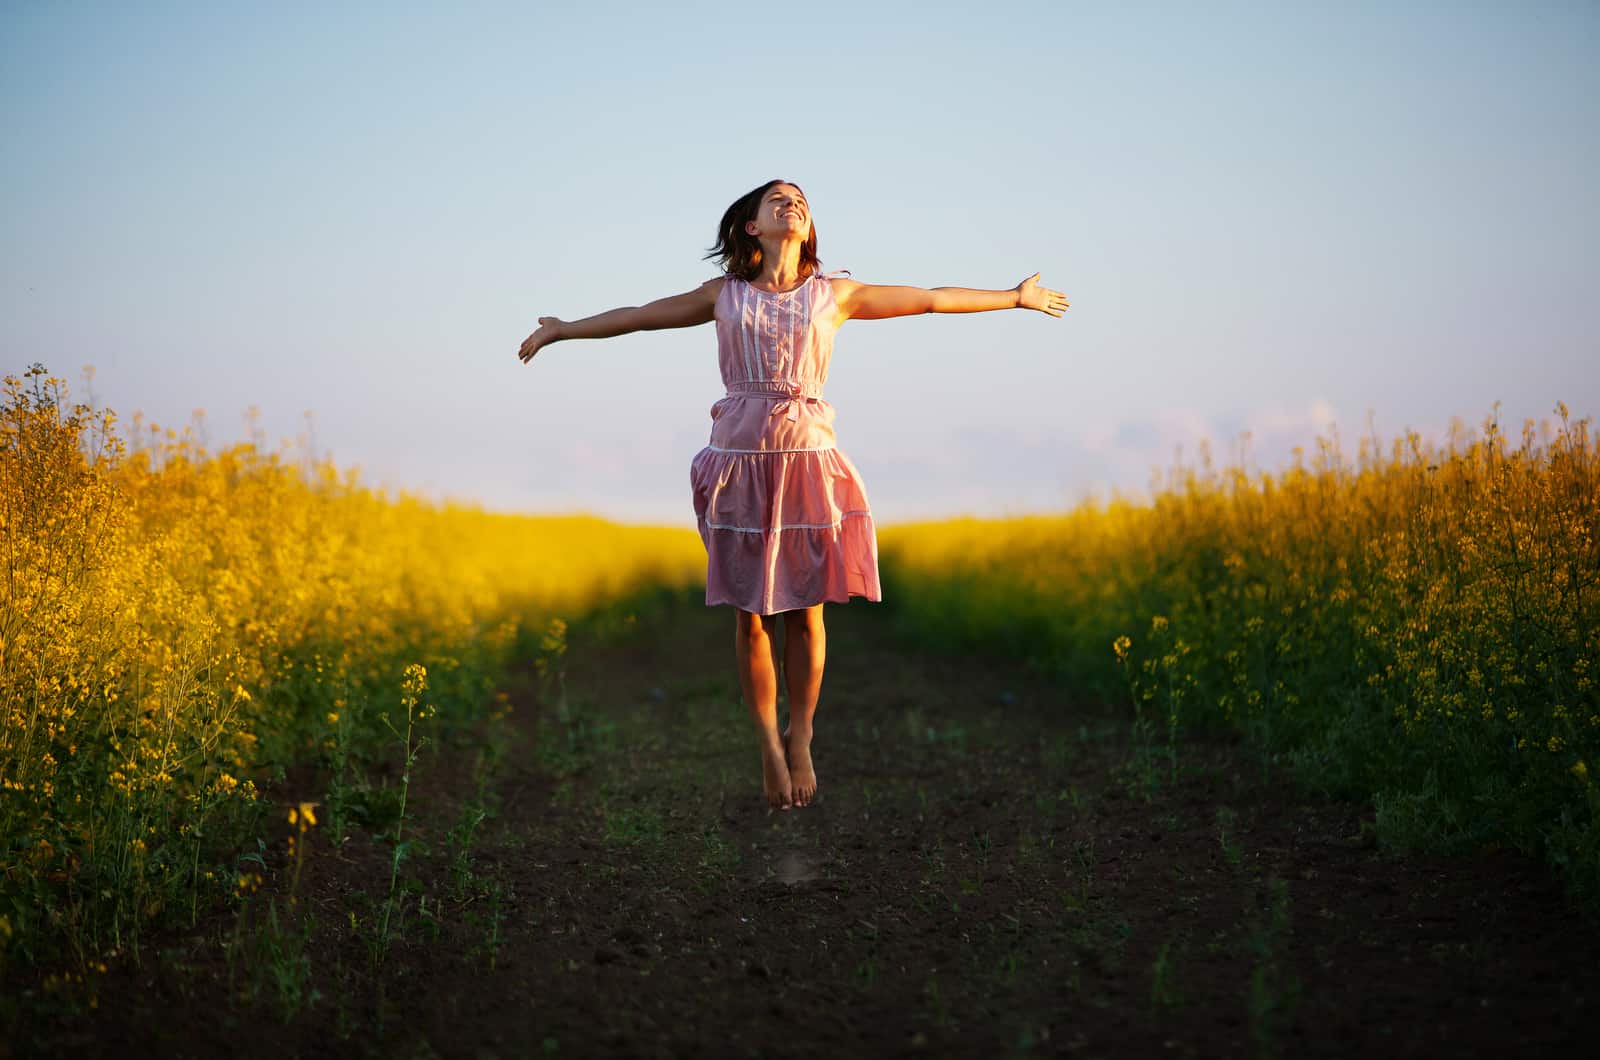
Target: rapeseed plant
(178,623)
(1418,625)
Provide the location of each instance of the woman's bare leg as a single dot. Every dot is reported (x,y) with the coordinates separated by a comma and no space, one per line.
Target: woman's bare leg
(805,649)
(758,679)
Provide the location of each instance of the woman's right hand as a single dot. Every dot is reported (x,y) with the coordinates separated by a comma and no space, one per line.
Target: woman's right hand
(549,331)
(1030,295)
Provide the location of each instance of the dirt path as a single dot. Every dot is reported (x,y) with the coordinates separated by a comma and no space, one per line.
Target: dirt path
(992,869)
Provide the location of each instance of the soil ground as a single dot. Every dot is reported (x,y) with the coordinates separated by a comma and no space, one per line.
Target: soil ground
(993,868)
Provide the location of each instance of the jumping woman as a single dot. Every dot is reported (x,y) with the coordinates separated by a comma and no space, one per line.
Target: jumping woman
(782,511)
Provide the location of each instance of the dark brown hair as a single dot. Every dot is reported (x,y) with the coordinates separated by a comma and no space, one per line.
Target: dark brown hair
(739,252)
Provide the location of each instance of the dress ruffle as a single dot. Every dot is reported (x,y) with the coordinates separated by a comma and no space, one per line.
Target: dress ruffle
(784,530)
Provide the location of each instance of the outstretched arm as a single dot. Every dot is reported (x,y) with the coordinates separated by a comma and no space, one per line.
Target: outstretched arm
(679,311)
(865,301)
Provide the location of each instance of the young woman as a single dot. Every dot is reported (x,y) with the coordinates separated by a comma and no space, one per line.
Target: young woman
(782,511)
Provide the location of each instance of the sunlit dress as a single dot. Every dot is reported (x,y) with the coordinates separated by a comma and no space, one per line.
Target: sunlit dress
(782,510)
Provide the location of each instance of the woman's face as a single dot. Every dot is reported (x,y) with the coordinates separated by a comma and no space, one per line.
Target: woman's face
(783,211)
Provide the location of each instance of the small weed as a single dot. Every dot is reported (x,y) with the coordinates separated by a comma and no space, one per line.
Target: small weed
(635,824)
(460,840)
(1141,774)
(1103,937)
(273,957)
(1083,856)
(570,745)
(938,1009)
(719,858)
(490,921)
(428,918)
(286,961)
(1027,848)
(954,737)
(982,844)
(1227,821)
(1274,992)
(917,729)
(1165,990)
(1057,754)
(1010,965)
(1083,859)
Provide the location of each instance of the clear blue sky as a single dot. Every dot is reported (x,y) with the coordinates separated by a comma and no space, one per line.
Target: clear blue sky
(1266,216)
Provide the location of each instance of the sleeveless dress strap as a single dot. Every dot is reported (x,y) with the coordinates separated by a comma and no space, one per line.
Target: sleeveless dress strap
(831,275)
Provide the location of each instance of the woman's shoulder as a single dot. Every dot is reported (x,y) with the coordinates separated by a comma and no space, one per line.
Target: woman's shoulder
(839,281)
(714,290)
(834,279)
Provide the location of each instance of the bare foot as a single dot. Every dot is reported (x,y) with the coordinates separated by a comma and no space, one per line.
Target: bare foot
(802,775)
(775,783)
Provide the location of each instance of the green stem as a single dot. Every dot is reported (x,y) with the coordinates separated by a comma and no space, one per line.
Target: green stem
(405,791)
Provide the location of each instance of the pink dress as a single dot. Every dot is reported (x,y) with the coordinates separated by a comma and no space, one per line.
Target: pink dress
(782,511)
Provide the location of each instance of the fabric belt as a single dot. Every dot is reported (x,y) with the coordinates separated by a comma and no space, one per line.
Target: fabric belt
(788,397)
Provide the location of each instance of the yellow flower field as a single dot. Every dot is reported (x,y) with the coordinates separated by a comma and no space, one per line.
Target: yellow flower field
(175,624)
(1420,626)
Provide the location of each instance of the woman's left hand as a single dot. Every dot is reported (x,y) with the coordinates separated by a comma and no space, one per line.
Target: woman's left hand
(1031,296)
(549,331)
